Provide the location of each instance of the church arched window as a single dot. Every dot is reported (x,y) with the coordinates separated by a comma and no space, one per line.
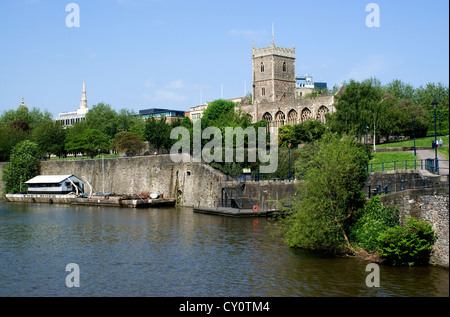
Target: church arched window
(262,67)
(284,67)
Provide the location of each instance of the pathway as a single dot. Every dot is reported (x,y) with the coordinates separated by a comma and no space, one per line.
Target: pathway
(443,162)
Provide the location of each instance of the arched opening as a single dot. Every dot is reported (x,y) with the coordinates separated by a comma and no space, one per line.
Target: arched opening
(279,119)
(292,117)
(306,114)
(322,113)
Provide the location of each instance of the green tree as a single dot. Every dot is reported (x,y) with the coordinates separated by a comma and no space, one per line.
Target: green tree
(357,107)
(157,133)
(215,111)
(334,174)
(24,165)
(103,118)
(9,137)
(92,141)
(50,136)
(128,142)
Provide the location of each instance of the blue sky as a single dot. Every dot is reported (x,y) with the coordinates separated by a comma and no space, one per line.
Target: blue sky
(139,54)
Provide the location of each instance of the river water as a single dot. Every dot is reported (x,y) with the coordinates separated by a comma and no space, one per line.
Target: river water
(169,252)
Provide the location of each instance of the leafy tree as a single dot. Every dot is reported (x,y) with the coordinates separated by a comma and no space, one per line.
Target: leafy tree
(358,106)
(157,133)
(92,140)
(74,142)
(24,165)
(9,137)
(305,132)
(103,118)
(50,136)
(334,174)
(128,142)
(216,110)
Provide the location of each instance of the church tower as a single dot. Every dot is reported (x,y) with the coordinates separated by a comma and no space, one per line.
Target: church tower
(273,73)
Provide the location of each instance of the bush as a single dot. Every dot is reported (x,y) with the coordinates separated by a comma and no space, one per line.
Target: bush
(373,220)
(407,245)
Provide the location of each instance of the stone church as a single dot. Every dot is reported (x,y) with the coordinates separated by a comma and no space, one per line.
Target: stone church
(275,97)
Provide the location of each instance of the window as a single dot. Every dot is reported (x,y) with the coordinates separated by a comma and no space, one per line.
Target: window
(262,67)
(284,67)
(263,91)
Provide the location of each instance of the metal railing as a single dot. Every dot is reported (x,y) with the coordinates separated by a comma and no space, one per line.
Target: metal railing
(423,164)
(388,187)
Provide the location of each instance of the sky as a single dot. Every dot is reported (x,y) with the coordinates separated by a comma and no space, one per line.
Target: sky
(176,54)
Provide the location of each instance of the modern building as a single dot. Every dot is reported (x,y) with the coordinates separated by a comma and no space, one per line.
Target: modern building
(55,184)
(69,118)
(306,85)
(156,113)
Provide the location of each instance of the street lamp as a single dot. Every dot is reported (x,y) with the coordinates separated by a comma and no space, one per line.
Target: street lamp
(414,134)
(289,146)
(434,104)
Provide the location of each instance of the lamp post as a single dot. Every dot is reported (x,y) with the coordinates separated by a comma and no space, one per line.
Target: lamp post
(289,146)
(434,104)
(414,134)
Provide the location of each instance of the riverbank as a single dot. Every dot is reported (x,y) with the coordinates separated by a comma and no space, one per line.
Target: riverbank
(115,201)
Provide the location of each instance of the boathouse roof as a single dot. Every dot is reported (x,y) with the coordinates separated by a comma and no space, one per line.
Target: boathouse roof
(49,179)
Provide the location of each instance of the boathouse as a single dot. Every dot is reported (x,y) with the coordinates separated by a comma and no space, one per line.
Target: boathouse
(55,184)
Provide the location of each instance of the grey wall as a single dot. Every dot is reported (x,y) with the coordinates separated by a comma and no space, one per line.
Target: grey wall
(431,205)
(196,182)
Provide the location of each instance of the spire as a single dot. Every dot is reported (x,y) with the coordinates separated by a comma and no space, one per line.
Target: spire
(83,104)
(272,36)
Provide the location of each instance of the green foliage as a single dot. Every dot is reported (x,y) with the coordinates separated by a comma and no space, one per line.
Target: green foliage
(387,110)
(372,221)
(50,137)
(216,110)
(86,141)
(24,165)
(407,245)
(334,173)
(305,132)
(157,133)
(9,137)
(128,142)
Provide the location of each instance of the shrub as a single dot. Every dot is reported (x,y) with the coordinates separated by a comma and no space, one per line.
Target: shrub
(373,219)
(407,245)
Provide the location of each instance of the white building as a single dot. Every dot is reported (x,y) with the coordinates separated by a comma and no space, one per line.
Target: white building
(55,184)
(69,118)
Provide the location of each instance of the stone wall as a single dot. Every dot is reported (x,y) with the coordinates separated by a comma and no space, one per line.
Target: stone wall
(191,183)
(431,205)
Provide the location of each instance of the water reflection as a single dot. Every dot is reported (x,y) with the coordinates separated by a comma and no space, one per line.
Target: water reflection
(174,252)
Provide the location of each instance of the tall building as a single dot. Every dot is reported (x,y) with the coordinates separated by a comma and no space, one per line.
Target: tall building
(277,96)
(69,118)
(273,73)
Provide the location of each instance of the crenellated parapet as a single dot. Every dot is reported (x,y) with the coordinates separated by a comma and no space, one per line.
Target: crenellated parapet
(273,50)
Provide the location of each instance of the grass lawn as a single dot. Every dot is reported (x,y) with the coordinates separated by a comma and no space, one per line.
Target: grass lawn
(388,161)
(421,142)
